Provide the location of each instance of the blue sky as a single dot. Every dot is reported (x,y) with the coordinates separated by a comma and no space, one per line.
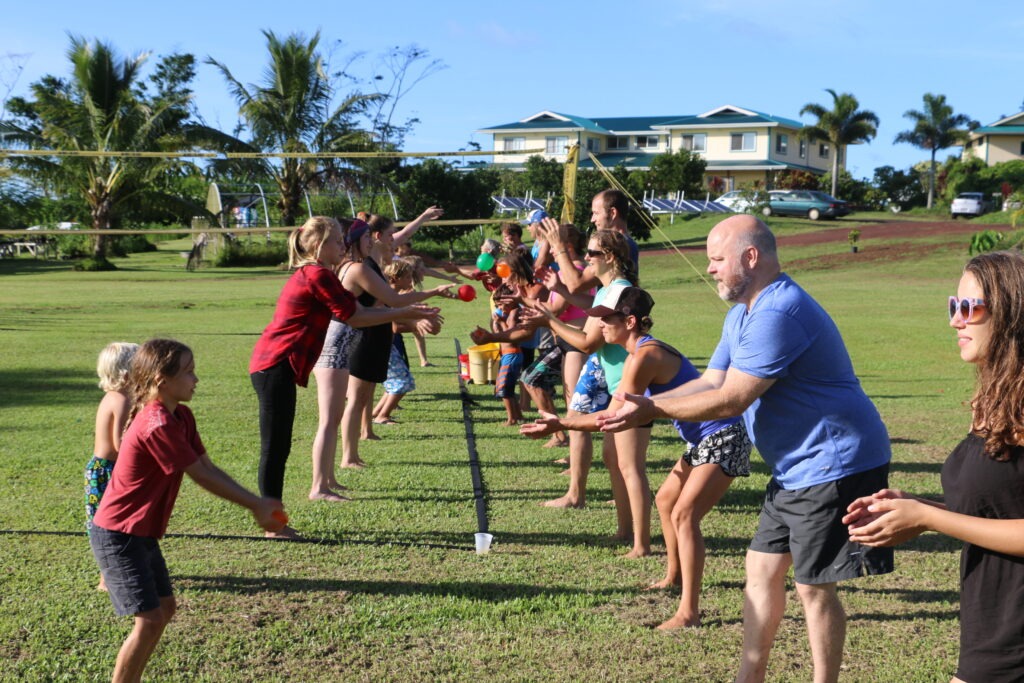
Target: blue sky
(506,61)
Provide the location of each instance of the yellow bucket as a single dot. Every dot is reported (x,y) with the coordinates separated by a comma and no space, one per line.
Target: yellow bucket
(483,363)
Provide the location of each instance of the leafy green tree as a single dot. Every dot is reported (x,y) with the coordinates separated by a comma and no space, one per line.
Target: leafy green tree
(842,125)
(680,171)
(935,128)
(900,188)
(99,108)
(462,194)
(293,110)
(796,180)
(851,189)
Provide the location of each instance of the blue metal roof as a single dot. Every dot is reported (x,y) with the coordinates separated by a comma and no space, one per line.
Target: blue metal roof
(997,130)
(611,125)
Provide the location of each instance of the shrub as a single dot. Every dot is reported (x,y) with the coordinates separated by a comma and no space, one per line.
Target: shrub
(243,254)
(91,265)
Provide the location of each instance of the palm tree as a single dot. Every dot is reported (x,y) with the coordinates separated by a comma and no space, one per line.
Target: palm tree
(99,109)
(842,125)
(937,127)
(291,111)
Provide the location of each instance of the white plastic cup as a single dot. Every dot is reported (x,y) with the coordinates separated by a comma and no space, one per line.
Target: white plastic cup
(483,543)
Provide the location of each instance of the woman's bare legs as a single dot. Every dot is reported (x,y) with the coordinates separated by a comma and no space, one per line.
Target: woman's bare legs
(330,395)
(665,500)
(360,392)
(366,423)
(631,463)
(702,489)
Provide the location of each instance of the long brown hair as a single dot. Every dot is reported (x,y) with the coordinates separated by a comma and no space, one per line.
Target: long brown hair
(998,402)
(155,360)
(614,244)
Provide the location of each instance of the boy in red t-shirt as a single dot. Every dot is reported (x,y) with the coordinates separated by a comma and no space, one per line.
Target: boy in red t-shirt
(160,446)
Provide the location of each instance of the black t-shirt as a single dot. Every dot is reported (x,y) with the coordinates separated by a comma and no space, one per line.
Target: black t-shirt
(991,583)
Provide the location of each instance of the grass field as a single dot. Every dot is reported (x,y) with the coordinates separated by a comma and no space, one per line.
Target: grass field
(393,590)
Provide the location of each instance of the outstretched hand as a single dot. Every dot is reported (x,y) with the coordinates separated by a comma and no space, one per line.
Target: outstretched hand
(547,423)
(636,410)
(480,335)
(430,325)
(886,518)
(270,515)
(552,233)
(431,213)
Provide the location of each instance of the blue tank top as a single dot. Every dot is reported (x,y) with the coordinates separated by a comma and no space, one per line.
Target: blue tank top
(691,432)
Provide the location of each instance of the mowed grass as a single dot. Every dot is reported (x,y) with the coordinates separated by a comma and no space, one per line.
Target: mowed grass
(392,589)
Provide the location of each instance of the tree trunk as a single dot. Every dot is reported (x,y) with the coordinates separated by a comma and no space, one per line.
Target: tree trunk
(835,169)
(100,221)
(931,181)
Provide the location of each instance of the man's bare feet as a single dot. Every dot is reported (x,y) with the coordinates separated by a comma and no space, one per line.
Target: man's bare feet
(102,585)
(285,533)
(563,502)
(561,461)
(426,364)
(369,437)
(337,486)
(679,620)
(638,552)
(384,421)
(328,496)
(354,464)
(664,584)
(565,473)
(511,422)
(555,442)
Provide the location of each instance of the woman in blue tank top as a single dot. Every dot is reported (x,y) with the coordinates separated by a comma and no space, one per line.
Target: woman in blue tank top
(719,451)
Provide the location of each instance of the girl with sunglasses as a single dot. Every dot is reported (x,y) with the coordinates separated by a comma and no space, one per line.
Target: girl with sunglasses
(983,478)
(607,255)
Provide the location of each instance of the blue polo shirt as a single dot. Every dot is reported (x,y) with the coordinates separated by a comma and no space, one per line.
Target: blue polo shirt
(815,424)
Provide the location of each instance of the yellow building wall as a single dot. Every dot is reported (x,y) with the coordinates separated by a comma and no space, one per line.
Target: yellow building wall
(1004,148)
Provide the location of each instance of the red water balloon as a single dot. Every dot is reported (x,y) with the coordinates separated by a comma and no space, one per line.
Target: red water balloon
(467,293)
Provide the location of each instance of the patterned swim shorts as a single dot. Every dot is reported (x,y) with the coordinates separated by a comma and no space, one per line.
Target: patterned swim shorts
(97,476)
(591,393)
(729,448)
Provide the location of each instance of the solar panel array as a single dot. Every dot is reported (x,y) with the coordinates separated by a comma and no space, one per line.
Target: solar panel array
(516,204)
(655,205)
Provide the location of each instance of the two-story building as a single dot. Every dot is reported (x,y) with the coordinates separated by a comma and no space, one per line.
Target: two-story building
(997,142)
(741,146)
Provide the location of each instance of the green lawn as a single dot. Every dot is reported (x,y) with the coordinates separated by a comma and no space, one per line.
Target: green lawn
(393,590)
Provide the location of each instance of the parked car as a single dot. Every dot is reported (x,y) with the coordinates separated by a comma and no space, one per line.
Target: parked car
(809,203)
(739,200)
(969,204)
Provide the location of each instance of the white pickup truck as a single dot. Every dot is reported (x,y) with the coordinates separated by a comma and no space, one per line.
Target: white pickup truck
(969,204)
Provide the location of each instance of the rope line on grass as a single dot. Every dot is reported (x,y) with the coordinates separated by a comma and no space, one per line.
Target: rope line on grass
(479,485)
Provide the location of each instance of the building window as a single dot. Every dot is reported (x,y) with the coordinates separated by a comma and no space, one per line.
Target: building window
(556,145)
(823,150)
(698,142)
(594,145)
(1022,148)
(743,142)
(515,144)
(803,149)
(618,142)
(646,141)
(782,144)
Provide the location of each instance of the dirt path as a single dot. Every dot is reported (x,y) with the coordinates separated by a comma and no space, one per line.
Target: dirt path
(887,230)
